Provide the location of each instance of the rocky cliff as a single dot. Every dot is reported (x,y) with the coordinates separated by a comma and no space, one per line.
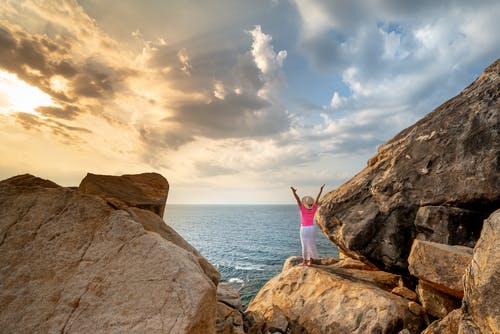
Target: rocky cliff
(417,212)
(439,179)
(74,263)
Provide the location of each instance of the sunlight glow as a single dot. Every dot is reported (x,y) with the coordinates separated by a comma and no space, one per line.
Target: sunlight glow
(58,83)
(18,96)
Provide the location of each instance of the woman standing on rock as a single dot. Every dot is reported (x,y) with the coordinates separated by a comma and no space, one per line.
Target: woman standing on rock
(307,207)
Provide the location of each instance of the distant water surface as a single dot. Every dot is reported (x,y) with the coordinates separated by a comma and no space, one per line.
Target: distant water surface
(246,243)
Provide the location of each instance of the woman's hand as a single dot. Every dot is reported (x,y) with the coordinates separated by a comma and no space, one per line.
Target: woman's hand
(294,191)
(319,194)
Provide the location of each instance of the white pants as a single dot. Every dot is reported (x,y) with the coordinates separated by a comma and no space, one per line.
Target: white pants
(308,241)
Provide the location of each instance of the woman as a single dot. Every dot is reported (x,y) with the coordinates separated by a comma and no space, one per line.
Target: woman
(307,207)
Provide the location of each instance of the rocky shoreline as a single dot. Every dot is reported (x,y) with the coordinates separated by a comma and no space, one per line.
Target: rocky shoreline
(418,230)
(426,211)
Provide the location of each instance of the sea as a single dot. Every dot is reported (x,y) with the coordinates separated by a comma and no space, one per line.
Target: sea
(248,244)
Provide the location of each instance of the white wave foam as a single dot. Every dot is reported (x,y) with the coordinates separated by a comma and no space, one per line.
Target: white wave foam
(236,280)
(248,266)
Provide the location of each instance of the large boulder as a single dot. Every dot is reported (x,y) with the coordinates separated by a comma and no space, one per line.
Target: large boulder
(332,299)
(447,225)
(147,191)
(71,263)
(481,303)
(441,266)
(448,158)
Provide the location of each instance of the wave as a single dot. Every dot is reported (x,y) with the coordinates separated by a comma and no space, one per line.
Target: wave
(249,266)
(236,280)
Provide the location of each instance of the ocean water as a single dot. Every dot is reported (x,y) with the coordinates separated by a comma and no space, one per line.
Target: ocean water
(248,244)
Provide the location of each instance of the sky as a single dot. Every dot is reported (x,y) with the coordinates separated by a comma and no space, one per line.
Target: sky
(232,101)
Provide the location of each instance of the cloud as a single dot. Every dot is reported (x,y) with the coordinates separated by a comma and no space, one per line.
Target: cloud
(67,134)
(38,60)
(208,100)
(68,112)
(241,98)
(399,60)
(207,169)
(190,92)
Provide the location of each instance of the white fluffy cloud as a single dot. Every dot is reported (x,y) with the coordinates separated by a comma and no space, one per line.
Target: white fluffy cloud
(269,63)
(397,60)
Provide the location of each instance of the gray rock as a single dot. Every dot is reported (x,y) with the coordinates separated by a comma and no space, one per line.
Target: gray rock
(450,157)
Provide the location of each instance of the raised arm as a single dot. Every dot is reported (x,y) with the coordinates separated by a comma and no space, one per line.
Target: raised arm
(294,191)
(319,194)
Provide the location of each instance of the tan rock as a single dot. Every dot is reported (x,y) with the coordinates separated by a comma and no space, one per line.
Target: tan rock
(72,264)
(416,308)
(350,263)
(276,320)
(447,325)
(296,260)
(352,268)
(147,191)
(436,303)
(153,223)
(333,300)
(30,181)
(481,303)
(441,266)
(405,293)
(291,262)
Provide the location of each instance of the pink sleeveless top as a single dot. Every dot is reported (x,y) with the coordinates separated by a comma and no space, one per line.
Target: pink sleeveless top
(307,215)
